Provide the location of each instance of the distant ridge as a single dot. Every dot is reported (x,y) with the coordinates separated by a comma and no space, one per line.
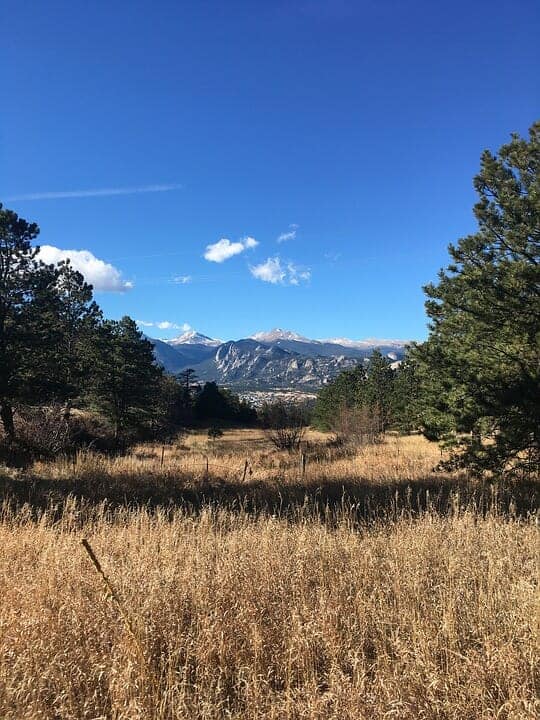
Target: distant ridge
(273,359)
(369,342)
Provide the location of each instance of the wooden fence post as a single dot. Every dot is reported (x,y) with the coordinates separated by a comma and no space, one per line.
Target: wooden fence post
(245,471)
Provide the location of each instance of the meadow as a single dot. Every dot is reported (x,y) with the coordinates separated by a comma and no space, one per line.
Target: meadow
(238,583)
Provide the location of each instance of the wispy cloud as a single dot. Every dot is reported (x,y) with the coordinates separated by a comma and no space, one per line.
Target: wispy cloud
(224,249)
(101,275)
(182,279)
(276,272)
(290,235)
(101,192)
(332,256)
(164,325)
(297,275)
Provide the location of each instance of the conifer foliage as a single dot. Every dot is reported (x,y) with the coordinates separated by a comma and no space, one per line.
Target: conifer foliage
(25,286)
(56,349)
(58,354)
(481,363)
(125,379)
(364,402)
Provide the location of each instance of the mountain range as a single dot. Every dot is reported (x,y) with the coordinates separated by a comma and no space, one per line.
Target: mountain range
(269,360)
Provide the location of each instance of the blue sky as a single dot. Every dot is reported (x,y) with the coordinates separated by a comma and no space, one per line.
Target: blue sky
(352,128)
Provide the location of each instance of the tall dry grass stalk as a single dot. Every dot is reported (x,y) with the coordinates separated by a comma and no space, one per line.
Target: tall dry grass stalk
(246,615)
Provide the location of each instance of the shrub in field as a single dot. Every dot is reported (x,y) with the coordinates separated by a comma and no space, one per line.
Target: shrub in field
(214,433)
(358,426)
(285,425)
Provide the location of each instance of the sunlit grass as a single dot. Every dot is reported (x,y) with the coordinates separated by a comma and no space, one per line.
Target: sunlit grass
(236,614)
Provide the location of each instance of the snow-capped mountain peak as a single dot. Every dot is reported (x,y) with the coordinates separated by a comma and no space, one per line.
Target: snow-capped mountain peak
(368,343)
(192,337)
(278,334)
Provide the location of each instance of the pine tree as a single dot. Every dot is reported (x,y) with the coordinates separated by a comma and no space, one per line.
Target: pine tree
(407,396)
(169,416)
(75,326)
(341,394)
(482,357)
(211,403)
(125,377)
(358,401)
(189,384)
(26,309)
(376,392)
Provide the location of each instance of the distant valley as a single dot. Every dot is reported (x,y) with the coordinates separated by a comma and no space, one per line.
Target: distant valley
(278,359)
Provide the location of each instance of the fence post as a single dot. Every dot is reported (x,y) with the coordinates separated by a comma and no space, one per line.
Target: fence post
(303,462)
(207,466)
(245,471)
(162,456)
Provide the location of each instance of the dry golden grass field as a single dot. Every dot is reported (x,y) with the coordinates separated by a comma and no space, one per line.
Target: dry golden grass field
(367,587)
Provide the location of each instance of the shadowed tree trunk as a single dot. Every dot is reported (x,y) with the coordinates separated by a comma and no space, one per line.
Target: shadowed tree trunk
(6,415)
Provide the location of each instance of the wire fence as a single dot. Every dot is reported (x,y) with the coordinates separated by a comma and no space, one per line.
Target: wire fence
(208,465)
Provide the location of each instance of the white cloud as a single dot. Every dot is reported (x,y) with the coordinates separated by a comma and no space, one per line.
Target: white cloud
(287,236)
(165,325)
(102,192)
(224,249)
(182,279)
(290,235)
(277,273)
(101,275)
(269,271)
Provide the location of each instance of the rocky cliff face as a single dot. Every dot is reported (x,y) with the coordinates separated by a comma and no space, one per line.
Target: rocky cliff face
(276,362)
(257,364)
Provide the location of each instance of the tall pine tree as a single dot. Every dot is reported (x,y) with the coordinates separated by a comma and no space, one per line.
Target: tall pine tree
(27,289)
(74,327)
(125,377)
(482,358)
(377,391)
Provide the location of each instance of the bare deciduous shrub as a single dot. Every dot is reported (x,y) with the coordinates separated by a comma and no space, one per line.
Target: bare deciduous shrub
(359,426)
(285,425)
(43,431)
(46,432)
